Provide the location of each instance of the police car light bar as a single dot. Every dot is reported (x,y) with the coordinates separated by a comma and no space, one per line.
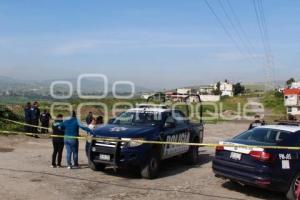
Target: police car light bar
(287,122)
(162,106)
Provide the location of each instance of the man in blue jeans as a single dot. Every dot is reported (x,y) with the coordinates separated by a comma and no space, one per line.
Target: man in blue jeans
(71,127)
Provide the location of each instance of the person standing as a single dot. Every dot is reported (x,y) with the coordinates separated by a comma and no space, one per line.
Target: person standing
(89,118)
(71,127)
(99,121)
(27,115)
(257,122)
(92,124)
(45,121)
(96,122)
(35,116)
(58,142)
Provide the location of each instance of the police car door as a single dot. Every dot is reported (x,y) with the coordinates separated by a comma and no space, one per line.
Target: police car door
(288,163)
(178,133)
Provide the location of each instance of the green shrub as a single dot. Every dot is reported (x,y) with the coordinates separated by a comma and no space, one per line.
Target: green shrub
(8,114)
(275,102)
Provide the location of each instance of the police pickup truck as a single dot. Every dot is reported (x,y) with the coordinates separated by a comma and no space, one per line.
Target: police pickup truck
(144,123)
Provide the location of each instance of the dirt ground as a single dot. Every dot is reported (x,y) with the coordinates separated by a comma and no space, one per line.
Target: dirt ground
(25,173)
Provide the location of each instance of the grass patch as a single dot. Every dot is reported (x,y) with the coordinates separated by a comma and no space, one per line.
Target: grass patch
(15,111)
(232,103)
(9,114)
(274,101)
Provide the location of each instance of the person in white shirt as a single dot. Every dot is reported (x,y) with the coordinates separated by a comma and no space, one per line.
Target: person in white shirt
(92,125)
(95,123)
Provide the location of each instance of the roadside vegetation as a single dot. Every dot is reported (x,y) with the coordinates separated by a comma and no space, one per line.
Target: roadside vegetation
(9,114)
(274,105)
(230,107)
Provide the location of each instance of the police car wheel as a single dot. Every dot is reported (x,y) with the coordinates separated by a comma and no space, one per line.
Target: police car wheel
(96,166)
(150,170)
(192,156)
(291,194)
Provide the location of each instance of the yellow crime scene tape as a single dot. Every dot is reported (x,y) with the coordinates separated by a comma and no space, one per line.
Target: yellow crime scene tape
(20,123)
(106,139)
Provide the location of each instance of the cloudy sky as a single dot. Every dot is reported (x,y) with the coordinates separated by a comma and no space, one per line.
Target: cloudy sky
(152,43)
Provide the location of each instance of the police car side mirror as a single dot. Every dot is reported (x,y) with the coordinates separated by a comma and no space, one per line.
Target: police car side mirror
(170,125)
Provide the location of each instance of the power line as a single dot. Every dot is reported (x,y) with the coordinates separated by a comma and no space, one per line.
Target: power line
(224,28)
(260,16)
(239,24)
(265,28)
(270,60)
(259,22)
(236,29)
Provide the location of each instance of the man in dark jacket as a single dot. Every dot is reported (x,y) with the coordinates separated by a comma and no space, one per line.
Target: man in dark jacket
(45,121)
(58,142)
(27,115)
(89,118)
(257,122)
(35,116)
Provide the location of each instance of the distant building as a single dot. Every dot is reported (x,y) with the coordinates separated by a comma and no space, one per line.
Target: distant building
(181,95)
(295,85)
(184,91)
(7,93)
(206,89)
(210,98)
(226,88)
(280,89)
(146,95)
(292,100)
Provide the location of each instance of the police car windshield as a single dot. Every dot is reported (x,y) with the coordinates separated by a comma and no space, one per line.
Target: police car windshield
(147,118)
(264,135)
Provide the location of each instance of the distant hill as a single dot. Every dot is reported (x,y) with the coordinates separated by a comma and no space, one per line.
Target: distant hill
(17,86)
(42,88)
(260,86)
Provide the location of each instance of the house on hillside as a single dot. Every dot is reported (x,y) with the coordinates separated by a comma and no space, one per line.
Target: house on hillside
(292,100)
(226,88)
(184,91)
(182,95)
(280,89)
(295,85)
(146,95)
(206,89)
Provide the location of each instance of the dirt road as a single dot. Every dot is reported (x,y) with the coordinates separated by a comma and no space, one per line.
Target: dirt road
(25,173)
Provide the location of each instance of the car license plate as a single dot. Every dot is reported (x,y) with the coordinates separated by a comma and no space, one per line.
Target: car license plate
(104,157)
(235,156)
